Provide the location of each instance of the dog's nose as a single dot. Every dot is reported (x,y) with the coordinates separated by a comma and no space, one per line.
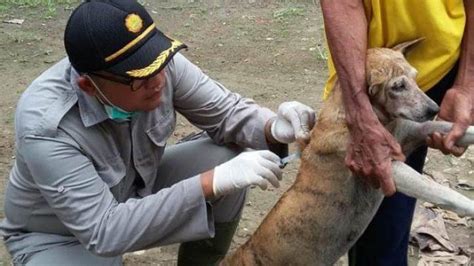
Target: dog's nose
(433,109)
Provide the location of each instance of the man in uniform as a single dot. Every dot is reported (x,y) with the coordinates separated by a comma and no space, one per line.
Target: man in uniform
(92,178)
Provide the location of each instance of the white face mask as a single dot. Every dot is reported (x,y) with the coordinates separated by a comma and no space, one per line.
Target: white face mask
(113,112)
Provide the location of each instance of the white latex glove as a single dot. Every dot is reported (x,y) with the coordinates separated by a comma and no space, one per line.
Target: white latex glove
(248,168)
(294,121)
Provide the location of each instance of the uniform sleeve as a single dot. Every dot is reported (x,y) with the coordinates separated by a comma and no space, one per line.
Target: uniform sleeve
(226,116)
(84,204)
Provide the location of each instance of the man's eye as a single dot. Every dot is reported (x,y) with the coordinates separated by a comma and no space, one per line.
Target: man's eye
(139,83)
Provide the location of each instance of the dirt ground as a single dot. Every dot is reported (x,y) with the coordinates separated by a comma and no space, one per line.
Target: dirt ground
(271,51)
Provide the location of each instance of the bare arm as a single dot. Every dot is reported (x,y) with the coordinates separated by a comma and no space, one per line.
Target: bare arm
(458,103)
(206,184)
(348,50)
(372,147)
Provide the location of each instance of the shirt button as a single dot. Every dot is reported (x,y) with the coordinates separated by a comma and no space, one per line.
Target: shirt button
(60,189)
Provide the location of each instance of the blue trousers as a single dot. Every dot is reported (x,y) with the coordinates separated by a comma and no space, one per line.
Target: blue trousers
(385,241)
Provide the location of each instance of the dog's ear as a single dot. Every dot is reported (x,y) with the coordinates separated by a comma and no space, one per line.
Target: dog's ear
(375,78)
(403,47)
(373,90)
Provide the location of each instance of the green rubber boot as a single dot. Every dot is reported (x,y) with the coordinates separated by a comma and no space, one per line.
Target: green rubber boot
(208,251)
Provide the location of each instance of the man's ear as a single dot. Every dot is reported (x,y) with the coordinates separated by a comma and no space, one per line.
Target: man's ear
(84,82)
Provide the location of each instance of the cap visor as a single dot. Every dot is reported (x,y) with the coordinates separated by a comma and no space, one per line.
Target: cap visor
(149,59)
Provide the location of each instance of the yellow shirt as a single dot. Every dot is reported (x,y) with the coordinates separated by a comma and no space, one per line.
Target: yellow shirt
(441,22)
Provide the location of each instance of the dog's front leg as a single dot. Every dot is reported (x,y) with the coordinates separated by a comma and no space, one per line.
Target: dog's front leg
(413,134)
(414,184)
(429,127)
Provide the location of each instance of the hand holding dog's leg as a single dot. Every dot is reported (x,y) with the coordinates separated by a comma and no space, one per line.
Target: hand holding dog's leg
(411,134)
(371,147)
(370,153)
(458,103)
(443,127)
(457,107)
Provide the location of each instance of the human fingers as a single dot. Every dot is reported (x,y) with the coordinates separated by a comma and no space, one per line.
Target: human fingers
(295,119)
(371,177)
(457,150)
(302,133)
(457,131)
(357,170)
(397,153)
(364,173)
(384,176)
(307,119)
(373,174)
(350,163)
(388,186)
(273,167)
(260,182)
(268,155)
(394,150)
(269,167)
(300,116)
(436,142)
(269,176)
(429,141)
(449,141)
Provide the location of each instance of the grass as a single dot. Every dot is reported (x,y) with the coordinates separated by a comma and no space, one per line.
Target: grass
(24,36)
(48,7)
(321,53)
(288,13)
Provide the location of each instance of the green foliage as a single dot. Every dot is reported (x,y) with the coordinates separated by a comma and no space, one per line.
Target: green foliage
(288,12)
(37,3)
(47,6)
(321,53)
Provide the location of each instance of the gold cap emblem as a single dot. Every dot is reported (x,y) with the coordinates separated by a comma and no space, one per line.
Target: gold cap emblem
(134,23)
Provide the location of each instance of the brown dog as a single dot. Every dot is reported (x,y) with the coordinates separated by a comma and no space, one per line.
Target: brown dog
(326,210)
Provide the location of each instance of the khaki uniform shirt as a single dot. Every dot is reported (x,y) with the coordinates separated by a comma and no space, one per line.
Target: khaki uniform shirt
(81,176)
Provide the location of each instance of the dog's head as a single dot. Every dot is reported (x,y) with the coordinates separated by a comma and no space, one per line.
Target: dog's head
(392,89)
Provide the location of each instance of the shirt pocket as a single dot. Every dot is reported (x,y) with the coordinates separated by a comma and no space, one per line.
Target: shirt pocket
(160,132)
(111,169)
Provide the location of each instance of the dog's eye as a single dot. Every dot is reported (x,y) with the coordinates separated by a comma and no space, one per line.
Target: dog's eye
(399,86)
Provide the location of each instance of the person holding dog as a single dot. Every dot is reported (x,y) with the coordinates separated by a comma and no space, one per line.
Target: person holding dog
(445,64)
(93,178)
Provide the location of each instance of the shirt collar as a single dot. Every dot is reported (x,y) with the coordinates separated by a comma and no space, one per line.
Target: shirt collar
(90,109)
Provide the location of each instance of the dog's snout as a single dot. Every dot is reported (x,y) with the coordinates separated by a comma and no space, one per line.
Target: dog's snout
(432,109)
